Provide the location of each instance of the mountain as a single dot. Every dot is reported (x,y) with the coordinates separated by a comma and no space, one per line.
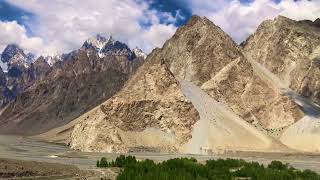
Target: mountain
(6,95)
(14,56)
(106,47)
(51,60)
(66,89)
(151,106)
(139,53)
(197,94)
(16,64)
(39,70)
(211,60)
(200,93)
(97,42)
(289,52)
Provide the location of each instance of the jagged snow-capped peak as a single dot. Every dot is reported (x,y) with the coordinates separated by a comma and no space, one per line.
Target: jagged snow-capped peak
(51,60)
(139,53)
(104,47)
(10,51)
(14,55)
(97,42)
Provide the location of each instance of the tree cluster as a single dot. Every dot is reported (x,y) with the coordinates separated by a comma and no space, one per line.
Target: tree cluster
(190,169)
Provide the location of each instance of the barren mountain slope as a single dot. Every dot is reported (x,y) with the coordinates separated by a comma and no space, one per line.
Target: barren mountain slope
(72,87)
(220,129)
(203,54)
(286,52)
(304,134)
(6,95)
(291,50)
(149,114)
(152,112)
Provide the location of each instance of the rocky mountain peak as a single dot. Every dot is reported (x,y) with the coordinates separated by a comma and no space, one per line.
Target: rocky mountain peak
(13,55)
(282,18)
(200,42)
(283,44)
(110,46)
(139,53)
(116,48)
(51,60)
(199,59)
(41,60)
(97,42)
(196,20)
(10,51)
(46,95)
(317,22)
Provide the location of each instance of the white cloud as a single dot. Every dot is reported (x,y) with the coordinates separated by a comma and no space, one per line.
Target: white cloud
(240,20)
(12,32)
(65,25)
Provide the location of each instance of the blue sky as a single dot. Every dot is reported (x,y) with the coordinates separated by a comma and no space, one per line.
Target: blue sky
(9,12)
(53,27)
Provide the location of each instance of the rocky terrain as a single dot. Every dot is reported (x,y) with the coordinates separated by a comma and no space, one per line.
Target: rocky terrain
(209,58)
(245,110)
(199,93)
(149,112)
(6,95)
(292,53)
(14,168)
(291,56)
(14,72)
(54,95)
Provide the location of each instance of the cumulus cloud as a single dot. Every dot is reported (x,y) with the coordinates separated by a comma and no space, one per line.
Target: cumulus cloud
(12,32)
(240,20)
(65,25)
(60,26)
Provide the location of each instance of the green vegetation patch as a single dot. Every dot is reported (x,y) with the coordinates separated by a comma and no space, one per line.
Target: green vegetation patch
(190,169)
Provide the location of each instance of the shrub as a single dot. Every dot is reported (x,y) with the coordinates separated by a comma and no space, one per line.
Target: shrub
(277,165)
(190,169)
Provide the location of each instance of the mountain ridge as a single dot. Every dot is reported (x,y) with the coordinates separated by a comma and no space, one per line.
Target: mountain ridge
(51,96)
(200,93)
(203,55)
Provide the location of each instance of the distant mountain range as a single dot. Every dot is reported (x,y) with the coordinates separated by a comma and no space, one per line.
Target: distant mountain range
(200,93)
(42,93)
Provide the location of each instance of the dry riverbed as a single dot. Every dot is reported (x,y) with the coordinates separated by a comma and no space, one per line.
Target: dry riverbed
(18,169)
(10,168)
(31,158)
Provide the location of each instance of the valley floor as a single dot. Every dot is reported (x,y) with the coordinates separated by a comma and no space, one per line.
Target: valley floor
(20,148)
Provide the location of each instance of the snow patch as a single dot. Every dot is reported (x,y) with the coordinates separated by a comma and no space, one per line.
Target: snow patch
(139,53)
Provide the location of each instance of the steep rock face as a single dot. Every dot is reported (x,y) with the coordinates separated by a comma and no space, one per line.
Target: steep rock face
(150,113)
(203,54)
(153,104)
(291,50)
(5,94)
(66,90)
(16,64)
(106,47)
(39,69)
(14,56)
